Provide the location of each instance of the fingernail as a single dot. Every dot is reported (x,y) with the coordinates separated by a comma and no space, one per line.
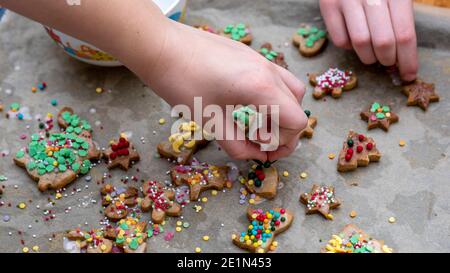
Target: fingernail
(409,77)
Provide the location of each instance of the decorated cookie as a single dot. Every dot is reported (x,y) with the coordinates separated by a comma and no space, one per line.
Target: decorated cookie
(263,180)
(420,94)
(239,32)
(130,235)
(308,132)
(92,241)
(320,199)
(200,177)
(245,117)
(182,145)
(264,227)
(358,151)
(159,200)
(118,201)
(275,57)
(57,159)
(354,240)
(333,82)
(121,154)
(206,28)
(379,116)
(310,40)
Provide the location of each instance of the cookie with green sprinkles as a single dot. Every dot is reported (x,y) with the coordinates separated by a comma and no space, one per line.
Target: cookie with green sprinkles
(379,116)
(310,40)
(129,235)
(238,32)
(57,159)
(275,57)
(92,241)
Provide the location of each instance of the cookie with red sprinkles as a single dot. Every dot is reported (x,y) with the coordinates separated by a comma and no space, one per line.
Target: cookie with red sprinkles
(321,199)
(264,226)
(263,180)
(121,153)
(332,82)
(159,200)
(358,151)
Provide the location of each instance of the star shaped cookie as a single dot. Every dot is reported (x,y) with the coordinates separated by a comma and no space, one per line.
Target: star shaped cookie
(200,177)
(308,132)
(121,153)
(379,116)
(358,151)
(420,94)
(275,57)
(159,200)
(321,199)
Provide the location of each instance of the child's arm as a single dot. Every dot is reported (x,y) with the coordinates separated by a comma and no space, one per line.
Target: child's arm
(179,62)
(378,30)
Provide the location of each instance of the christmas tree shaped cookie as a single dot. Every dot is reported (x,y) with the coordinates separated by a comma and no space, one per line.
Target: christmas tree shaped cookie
(320,199)
(239,32)
(159,200)
(358,151)
(354,240)
(310,40)
(117,201)
(420,94)
(129,236)
(56,159)
(264,227)
(93,241)
(308,132)
(332,82)
(182,145)
(379,116)
(275,57)
(263,180)
(121,153)
(200,177)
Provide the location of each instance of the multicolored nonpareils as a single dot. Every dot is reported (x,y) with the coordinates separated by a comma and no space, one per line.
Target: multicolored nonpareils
(379,116)
(321,199)
(332,82)
(159,200)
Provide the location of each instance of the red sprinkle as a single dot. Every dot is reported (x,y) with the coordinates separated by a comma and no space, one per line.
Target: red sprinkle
(369,146)
(359,149)
(361,137)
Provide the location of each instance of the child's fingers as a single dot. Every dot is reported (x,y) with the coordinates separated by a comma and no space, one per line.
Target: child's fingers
(284,150)
(296,86)
(405,34)
(335,23)
(358,30)
(382,33)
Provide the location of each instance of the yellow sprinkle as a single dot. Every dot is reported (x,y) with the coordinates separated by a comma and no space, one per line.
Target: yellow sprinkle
(103,247)
(250,182)
(260,250)
(35,248)
(275,243)
(25,249)
(251,201)
(204,199)
(178,229)
(206,238)
(353,214)
(330,216)
(99,90)
(331,156)
(391,220)
(387,249)
(214,192)
(162,121)
(233,237)
(33,89)
(402,143)
(179,223)
(58,195)
(198,250)
(22,205)
(285,173)
(303,175)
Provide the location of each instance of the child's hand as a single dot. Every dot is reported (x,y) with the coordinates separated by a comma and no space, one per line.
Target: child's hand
(225,72)
(378,30)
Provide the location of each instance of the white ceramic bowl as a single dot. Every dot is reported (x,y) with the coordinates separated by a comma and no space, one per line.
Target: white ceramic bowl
(174,9)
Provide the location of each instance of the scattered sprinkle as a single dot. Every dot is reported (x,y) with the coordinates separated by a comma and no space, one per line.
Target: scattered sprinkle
(331,156)
(391,220)
(353,214)
(303,175)
(25,250)
(402,143)
(206,238)
(162,121)
(99,90)
(285,173)
(204,199)
(22,205)
(198,250)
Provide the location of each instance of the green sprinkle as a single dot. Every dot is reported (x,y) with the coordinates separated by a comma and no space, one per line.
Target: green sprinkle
(380,115)
(20,154)
(15,106)
(31,165)
(302,31)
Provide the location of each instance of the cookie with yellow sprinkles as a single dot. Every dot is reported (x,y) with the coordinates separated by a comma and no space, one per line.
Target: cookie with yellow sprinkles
(93,241)
(264,226)
(354,240)
(130,235)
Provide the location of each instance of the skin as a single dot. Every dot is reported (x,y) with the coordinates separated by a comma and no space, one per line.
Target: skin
(378,30)
(159,50)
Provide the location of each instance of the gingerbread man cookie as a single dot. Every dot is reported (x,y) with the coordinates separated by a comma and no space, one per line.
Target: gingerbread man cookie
(159,200)
(310,40)
(57,159)
(358,151)
(121,154)
(130,235)
(239,32)
(263,180)
(275,57)
(93,241)
(182,145)
(265,226)
(379,116)
(200,177)
(354,240)
(308,132)
(321,199)
(420,94)
(332,82)
(118,200)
